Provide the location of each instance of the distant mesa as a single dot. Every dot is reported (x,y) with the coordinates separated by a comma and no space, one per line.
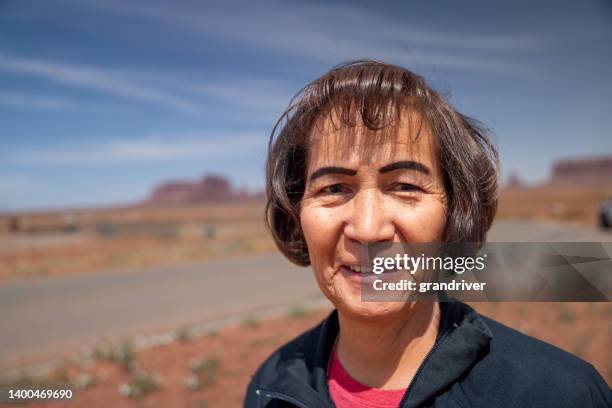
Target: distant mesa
(585,171)
(580,171)
(210,189)
(514,181)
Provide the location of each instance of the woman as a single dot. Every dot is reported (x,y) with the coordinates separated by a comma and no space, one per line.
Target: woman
(367,154)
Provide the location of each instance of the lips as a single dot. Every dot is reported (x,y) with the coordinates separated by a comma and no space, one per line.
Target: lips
(355,277)
(358,269)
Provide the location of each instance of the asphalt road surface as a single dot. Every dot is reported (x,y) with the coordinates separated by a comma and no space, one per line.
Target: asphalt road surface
(46,318)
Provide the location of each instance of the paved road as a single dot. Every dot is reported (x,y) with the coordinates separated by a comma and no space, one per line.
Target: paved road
(529,231)
(46,317)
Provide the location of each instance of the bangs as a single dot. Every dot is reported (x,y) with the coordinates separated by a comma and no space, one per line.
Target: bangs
(364,123)
(366,100)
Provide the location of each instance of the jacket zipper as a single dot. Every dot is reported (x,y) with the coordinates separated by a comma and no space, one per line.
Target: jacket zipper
(420,369)
(294,401)
(280,396)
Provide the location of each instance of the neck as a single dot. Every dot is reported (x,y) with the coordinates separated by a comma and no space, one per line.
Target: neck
(386,353)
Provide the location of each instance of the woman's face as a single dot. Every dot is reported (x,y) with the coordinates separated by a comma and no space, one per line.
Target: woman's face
(394,193)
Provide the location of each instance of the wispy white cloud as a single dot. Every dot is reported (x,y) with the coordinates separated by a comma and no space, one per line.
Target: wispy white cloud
(249,92)
(186,91)
(331,33)
(143,149)
(324,32)
(30,101)
(94,78)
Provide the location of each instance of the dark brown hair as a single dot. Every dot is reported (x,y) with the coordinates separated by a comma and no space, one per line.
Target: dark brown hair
(375,93)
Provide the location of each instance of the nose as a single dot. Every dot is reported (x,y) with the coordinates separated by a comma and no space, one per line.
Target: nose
(369,221)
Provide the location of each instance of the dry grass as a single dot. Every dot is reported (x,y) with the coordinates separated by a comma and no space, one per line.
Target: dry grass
(557,203)
(49,246)
(81,241)
(214,370)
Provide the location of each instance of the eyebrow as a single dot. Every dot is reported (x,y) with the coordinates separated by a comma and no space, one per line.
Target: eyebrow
(323,171)
(406,164)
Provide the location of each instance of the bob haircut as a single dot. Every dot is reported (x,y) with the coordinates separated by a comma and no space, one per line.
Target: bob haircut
(375,94)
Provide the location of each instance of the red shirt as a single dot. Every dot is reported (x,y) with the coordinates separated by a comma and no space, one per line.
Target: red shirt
(346,392)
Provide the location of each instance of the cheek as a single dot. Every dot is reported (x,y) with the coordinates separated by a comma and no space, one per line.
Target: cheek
(320,232)
(424,223)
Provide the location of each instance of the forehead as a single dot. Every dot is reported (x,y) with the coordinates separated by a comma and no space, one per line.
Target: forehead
(407,137)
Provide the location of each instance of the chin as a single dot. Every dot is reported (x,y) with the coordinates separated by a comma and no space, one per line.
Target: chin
(371,310)
(349,303)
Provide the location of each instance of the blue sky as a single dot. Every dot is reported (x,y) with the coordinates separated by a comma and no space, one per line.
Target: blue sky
(101,100)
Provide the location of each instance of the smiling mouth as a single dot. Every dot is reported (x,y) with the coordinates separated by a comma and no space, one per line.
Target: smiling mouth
(360,270)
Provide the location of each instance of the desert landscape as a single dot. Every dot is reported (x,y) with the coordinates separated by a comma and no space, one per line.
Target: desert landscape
(213,370)
(186,221)
(183,223)
(136,266)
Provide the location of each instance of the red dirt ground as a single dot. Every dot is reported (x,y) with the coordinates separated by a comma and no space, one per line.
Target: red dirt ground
(584,329)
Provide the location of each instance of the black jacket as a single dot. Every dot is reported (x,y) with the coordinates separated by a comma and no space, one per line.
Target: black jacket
(475,362)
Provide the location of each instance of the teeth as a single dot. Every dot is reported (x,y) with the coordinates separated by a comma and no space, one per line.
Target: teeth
(359,269)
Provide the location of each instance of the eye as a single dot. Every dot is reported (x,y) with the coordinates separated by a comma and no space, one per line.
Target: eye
(334,189)
(405,187)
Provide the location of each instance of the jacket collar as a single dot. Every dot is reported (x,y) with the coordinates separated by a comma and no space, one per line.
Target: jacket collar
(462,340)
